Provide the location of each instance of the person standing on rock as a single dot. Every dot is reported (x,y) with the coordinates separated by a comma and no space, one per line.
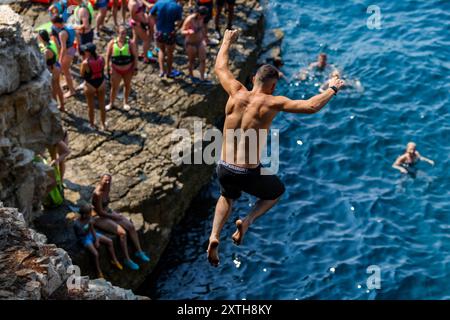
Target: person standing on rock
(59,152)
(121,61)
(115,7)
(92,71)
(230,8)
(102,9)
(50,51)
(195,32)
(91,239)
(84,15)
(239,168)
(64,38)
(168,14)
(142,26)
(114,222)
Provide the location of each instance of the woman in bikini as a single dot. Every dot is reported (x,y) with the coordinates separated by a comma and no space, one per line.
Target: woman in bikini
(113,222)
(92,71)
(50,51)
(121,61)
(142,25)
(195,32)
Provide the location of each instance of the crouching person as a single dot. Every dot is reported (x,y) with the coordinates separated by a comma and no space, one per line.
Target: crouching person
(91,239)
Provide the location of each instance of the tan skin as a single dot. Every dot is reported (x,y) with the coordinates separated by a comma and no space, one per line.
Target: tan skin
(115,9)
(139,33)
(195,32)
(92,248)
(111,221)
(57,92)
(91,92)
(250,110)
(85,27)
(409,158)
(116,77)
(165,54)
(65,60)
(59,153)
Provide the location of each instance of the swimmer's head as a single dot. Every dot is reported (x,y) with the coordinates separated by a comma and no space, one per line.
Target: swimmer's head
(266,77)
(57,21)
(43,36)
(322,60)
(411,148)
(335,74)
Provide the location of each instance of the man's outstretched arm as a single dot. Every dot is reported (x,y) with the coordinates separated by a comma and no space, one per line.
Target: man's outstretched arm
(226,78)
(313,104)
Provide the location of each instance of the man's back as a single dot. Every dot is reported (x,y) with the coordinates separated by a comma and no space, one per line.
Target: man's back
(168,12)
(248,116)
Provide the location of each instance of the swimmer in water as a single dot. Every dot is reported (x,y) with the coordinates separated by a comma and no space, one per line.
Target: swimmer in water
(320,65)
(335,74)
(409,158)
(239,169)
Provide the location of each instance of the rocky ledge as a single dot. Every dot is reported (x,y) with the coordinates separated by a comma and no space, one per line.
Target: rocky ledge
(148,187)
(32,269)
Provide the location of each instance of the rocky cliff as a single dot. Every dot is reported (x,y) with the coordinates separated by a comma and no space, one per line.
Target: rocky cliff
(32,269)
(148,187)
(28,121)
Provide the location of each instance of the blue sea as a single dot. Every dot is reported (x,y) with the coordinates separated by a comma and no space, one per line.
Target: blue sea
(346,210)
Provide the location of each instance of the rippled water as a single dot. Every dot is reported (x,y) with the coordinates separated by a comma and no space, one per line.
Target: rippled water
(345,207)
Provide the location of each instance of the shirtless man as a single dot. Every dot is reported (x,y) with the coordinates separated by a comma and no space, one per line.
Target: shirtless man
(195,32)
(320,65)
(247,110)
(409,158)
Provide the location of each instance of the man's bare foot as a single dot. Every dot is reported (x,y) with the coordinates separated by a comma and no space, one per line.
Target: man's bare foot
(213,254)
(238,236)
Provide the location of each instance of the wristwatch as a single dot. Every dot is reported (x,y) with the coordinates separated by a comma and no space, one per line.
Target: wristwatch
(334,89)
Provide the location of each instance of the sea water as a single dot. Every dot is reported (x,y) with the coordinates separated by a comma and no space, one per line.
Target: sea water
(349,225)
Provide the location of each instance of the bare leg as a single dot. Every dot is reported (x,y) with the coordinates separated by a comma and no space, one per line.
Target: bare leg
(115,82)
(191,52)
(161,57)
(261,207)
(94,252)
(89,91)
(112,227)
(217,17)
(127,84)
(65,67)
(101,15)
(114,11)
(170,49)
(57,88)
(129,227)
(101,92)
(202,58)
(108,242)
(223,210)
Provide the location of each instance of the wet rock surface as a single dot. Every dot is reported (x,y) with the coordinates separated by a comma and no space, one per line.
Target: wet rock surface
(147,186)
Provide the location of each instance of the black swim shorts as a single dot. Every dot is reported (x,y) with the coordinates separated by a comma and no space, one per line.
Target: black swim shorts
(233,180)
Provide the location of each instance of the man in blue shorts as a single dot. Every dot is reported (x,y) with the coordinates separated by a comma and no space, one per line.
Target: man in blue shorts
(168,15)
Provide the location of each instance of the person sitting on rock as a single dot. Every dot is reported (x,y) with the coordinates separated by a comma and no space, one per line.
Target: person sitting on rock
(91,239)
(195,32)
(50,51)
(114,222)
(92,71)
